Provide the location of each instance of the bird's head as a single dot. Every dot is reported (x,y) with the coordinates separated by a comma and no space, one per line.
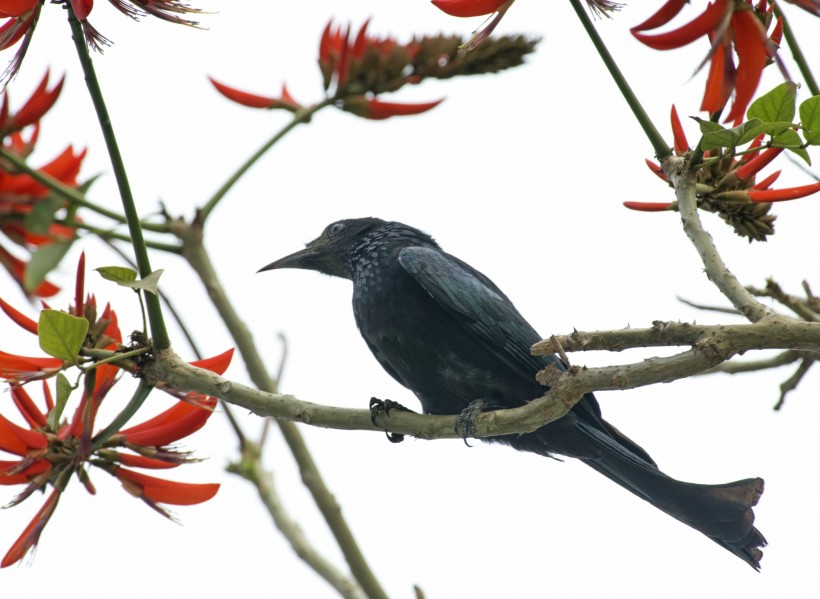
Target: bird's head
(330,252)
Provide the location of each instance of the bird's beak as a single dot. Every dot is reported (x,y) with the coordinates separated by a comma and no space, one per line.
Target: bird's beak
(304,259)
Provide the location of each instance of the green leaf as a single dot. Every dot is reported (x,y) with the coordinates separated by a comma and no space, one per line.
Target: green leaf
(708,126)
(148,283)
(42,214)
(777,105)
(61,335)
(772,129)
(728,138)
(787,139)
(43,261)
(118,274)
(802,153)
(64,389)
(810,119)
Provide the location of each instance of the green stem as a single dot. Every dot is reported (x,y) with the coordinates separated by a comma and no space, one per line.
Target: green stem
(662,149)
(797,54)
(300,116)
(158,331)
(117,357)
(106,235)
(68,193)
(139,397)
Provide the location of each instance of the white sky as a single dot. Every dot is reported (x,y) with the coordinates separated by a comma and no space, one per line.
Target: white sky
(527,168)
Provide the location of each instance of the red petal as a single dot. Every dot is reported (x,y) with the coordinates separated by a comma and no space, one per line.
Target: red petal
(38,104)
(707,21)
(782,195)
(720,81)
(140,461)
(34,417)
(19,318)
(649,206)
(173,424)
(218,364)
(244,98)
(681,145)
(468,8)
(752,52)
(20,472)
(18,440)
(756,164)
(16,8)
(375,109)
(13,366)
(165,491)
(666,13)
(767,182)
(31,535)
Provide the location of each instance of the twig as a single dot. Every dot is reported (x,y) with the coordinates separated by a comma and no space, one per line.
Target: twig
(795,304)
(743,366)
(790,384)
(194,251)
(683,181)
(704,307)
(250,468)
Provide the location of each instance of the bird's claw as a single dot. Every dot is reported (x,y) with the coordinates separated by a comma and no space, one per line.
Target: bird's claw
(465,421)
(383,406)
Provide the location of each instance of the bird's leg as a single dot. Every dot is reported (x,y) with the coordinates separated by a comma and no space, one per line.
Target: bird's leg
(378,407)
(465,422)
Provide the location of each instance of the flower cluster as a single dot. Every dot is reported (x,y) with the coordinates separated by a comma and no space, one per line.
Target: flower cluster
(357,69)
(727,183)
(22,18)
(28,211)
(728,25)
(50,451)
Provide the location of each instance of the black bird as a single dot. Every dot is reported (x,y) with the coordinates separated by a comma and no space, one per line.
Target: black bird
(450,335)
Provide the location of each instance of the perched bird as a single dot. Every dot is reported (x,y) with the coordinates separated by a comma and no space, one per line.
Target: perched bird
(450,335)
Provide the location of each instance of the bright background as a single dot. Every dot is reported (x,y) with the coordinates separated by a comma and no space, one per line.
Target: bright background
(522,174)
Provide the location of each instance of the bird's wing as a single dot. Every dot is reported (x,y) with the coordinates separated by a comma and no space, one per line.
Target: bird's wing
(478,304)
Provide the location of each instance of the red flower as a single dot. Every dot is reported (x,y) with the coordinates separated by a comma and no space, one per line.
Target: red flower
(20,194)
(469,8)
(727,24)
(285,100)
(50,450)
(355,72)
(360,69)
(728,186)
(475,8)
(23,15)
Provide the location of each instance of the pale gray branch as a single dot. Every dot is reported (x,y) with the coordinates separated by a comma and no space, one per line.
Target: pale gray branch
(683,181)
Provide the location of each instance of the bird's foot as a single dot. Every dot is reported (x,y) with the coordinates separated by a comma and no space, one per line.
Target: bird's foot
(465,422)
(383,406)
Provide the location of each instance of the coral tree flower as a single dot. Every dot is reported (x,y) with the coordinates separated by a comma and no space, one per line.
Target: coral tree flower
(727,24)
(730,189)
(48,451)
(22,17)
(27,209)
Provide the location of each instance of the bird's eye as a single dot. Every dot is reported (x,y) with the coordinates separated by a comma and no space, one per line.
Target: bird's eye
(335,228)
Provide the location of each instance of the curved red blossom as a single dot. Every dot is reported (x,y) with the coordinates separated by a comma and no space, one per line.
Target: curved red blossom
(783,195)
(727,24)
(701,25)
(681,144)
(649,206)
(165,491)
(173,424)
(16,8)
(21,471)
(767,182)
(18,317)
(666,13)
(32,532)
(375,109)
(39,103)
(468,8)
(218,364)
(19,369)
(750,168)
(285,100)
